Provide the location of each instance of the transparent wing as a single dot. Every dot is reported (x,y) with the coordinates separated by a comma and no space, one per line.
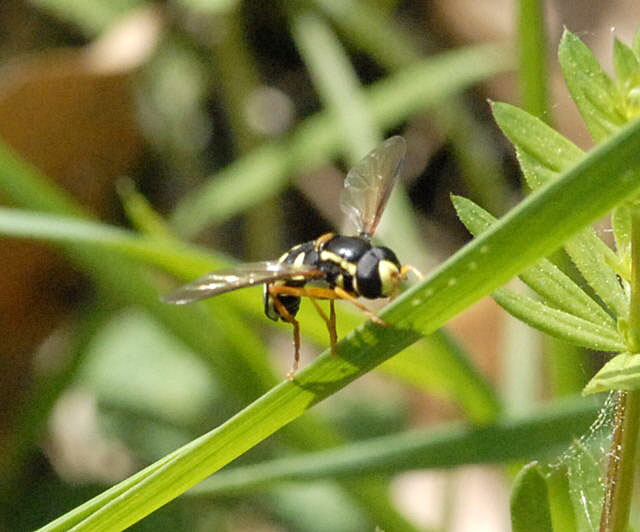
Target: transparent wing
(369,183)
(241,276)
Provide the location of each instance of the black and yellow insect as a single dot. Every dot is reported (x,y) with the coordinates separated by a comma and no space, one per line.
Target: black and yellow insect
(330,267)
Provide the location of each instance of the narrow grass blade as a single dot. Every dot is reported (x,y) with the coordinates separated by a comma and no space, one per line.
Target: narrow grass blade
(532,67)
(453,445)
(339,89)
(336,83)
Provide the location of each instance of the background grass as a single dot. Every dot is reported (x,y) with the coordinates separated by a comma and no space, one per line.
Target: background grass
(221,135)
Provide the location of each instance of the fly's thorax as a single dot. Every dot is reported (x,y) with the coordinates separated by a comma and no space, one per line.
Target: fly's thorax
(338,259)
(377,273)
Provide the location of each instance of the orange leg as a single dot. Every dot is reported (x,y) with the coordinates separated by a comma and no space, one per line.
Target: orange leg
(333,333)
(330,322)
(312,294)
(343,294)
(282,310)
(327,293)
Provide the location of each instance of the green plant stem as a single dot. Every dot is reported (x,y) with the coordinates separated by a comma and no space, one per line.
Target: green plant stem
(621,467)
(532,69)
(622,459)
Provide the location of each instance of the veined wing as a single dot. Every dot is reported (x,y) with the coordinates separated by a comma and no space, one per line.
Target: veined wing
(369,183)
(241,276)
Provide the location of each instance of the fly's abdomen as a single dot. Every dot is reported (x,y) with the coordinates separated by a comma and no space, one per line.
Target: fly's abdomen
(300,254)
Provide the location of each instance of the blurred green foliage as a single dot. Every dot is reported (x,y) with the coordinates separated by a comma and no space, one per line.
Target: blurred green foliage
(238,106)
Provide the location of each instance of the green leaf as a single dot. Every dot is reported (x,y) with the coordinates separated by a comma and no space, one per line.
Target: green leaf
(591,89)
(560,502)
(622,372)
(530,501)
(602,180)
(543,155)
(544,278)
(626,64)
(635,45)
(558,323)
(140,212)
(531,136)
(592,257)
(621,224)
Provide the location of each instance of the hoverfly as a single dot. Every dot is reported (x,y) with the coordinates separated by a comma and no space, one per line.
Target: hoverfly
(330,267)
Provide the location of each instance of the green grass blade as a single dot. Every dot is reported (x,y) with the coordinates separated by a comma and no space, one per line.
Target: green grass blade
(449,446)
(544,278)
(558,323)
(38,193)
(265,171)
(371,31)
(336,83)
(602,179)
(141,214)
(591,89)
(532,67)
(180,259)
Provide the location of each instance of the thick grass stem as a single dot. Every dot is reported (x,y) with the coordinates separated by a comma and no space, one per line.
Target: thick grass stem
(622,458)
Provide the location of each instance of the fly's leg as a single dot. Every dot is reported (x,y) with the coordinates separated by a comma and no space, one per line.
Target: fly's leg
(282,310)
(330,321)
(343,294)
(333,333)
(313,294)
(330,293)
